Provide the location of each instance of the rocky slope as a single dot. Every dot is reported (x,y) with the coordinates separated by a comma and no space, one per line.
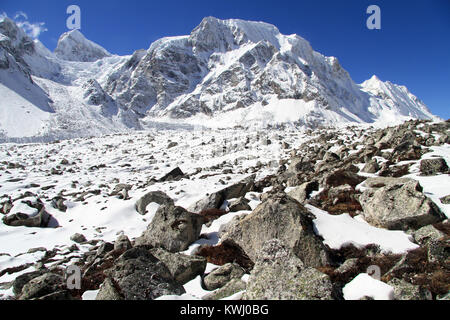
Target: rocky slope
(224,74)
(279,214)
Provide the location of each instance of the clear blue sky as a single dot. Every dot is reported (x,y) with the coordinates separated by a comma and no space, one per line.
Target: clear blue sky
(412,48)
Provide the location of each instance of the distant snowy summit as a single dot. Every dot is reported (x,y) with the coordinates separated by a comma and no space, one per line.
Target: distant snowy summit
(225,73)
(73,46)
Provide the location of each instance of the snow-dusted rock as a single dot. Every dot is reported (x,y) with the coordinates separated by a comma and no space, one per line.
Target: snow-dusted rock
(399,205)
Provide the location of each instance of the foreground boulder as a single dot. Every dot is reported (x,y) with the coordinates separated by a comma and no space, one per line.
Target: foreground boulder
(279,217)
(172,228)
(156,196)
(280,275)
(399,205)
(139,275)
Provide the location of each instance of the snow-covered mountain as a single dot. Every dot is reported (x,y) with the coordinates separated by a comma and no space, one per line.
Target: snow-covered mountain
(73,46)
(225,73)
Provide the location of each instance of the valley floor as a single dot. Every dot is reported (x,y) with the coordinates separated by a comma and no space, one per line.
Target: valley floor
(80,184)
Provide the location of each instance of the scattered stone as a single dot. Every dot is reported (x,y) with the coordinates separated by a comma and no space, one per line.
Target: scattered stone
(438,250)
(108,291)
(78,238)
(445,200)
(122,243)
(226,252)
(427,233)
(174,175)
(341,177)
(156,196)
(44,287)
(430,167)
(58,203)
(119,188)
(104,248)
(41,220)
(138,275)
(303,192)
(172,228)
(231,288)
(222,275)
(23,279)
(215,200)
(172,145)
(183,268)
(371,167)
(406,291)
(241,204)
(279,275)
(394,171)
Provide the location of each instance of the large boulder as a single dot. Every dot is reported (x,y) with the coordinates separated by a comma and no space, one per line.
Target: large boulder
(139,275)
(183,268)
(399,205)
(172,228)
(216,199)
(279,275)
(279,217)
(152,197)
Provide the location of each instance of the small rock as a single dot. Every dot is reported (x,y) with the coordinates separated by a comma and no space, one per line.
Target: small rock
(156,196)
(231,288)
(429,167)
(122,243)
(222,275)
(78,238)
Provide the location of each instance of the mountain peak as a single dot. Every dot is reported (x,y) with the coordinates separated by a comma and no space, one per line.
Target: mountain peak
(73,46)
(214,34)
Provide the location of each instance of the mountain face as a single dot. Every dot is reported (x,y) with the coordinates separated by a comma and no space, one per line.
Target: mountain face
(225,73)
